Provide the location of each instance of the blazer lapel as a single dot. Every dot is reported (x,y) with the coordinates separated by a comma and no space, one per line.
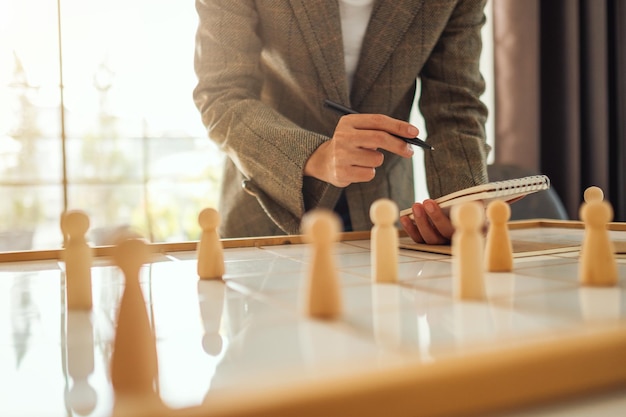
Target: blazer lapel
(320,24)
(389,22)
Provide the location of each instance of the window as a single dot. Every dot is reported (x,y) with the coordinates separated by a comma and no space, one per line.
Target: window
(122,139)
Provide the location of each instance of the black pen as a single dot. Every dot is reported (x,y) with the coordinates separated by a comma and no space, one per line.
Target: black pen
(346,110)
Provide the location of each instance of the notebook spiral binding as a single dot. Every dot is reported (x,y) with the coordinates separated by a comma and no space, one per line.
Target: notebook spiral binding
(522,185)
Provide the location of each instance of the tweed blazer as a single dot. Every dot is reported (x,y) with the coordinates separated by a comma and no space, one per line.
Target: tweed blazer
(265,67)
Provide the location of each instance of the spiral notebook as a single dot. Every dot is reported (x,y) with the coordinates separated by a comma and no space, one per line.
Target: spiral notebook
(508,190)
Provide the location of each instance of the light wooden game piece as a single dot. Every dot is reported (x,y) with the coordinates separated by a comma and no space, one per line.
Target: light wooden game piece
(597,264)
(498,248)
(467,251)
(78,258)
(384,241)
(210,251)
(593,193)
(134,366)
(322,297)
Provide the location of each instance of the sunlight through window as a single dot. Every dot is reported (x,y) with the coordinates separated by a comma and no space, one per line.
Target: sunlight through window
(128,146)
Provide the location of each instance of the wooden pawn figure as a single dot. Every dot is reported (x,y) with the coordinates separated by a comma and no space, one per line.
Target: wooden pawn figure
(498,248)
(593,193)
(210,252)
(467,251)
(134,366)
(78,259)
(384,241)
(322,298)
(597,264)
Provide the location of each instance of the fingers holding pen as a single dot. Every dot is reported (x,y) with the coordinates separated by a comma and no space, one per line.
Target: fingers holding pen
(402,130)
(353,153)
(377,131)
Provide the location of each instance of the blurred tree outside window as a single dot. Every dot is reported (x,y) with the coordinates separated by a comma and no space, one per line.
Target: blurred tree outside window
(96,114)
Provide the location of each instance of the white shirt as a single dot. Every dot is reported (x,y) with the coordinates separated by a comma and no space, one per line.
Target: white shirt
(355,15)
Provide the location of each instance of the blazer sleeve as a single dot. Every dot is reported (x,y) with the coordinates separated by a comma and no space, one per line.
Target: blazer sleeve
(267,148)
(450,103)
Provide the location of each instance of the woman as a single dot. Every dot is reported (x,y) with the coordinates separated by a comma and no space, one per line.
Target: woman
(264,70)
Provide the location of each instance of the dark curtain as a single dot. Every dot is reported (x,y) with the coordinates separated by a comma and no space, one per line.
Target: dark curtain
(560,68)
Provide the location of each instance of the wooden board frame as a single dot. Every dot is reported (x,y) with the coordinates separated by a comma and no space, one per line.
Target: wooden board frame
(484,383)
(105,251)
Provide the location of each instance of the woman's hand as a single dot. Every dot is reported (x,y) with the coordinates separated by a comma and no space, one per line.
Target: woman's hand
(429,224)
(352,154)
